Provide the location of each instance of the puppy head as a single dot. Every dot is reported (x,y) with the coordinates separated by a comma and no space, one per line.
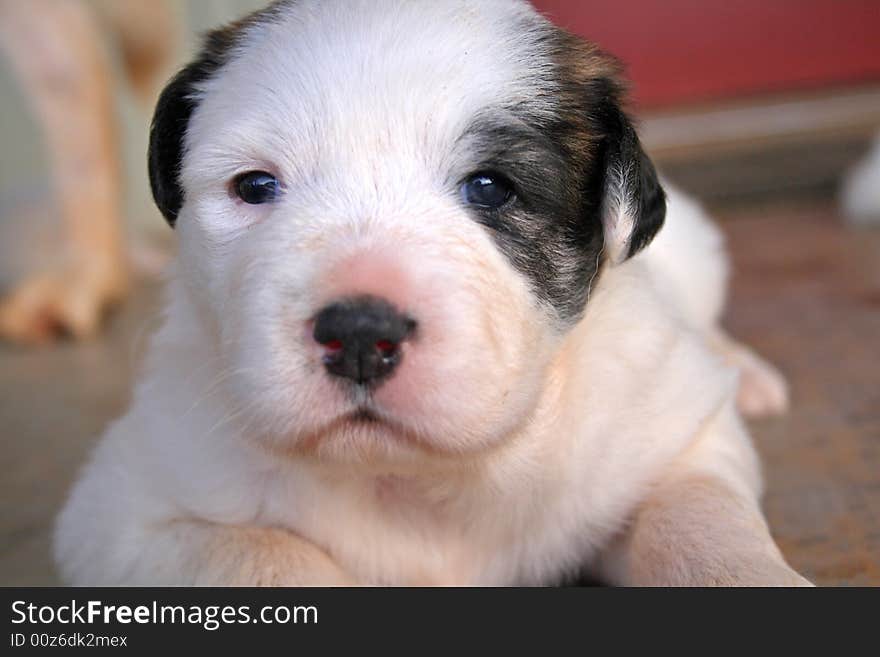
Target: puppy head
(391,213)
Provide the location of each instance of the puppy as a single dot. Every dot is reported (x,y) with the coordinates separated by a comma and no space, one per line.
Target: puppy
(416,333)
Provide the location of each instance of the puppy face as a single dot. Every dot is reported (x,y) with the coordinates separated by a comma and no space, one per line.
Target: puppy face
(390,214)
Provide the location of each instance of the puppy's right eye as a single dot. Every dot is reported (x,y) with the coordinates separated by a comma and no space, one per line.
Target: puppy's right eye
(256,187)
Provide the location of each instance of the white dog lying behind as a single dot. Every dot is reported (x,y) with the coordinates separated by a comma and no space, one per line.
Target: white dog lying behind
(406,340)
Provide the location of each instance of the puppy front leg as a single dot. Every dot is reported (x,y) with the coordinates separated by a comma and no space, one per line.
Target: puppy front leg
(697,530)
(193,553)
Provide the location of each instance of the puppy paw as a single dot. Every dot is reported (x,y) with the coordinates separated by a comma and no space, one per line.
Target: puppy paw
(70,301)
(763,391)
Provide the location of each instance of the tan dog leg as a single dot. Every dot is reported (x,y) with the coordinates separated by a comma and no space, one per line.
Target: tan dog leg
(701,524)
(216,555)
(54,48)
(196,553)
(148,36)
(697,531)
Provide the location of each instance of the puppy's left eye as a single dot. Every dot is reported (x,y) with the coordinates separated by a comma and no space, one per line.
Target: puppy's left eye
(256,187)
(487,190)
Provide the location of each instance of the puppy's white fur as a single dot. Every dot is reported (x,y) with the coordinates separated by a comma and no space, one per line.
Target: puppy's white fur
(509,451)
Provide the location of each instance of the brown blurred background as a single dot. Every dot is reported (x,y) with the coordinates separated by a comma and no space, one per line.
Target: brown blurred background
(760,109)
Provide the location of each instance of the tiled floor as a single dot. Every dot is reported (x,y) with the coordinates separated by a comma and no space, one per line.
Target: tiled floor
(806,293)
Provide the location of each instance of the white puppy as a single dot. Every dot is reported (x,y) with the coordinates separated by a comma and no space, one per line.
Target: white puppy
(407,341)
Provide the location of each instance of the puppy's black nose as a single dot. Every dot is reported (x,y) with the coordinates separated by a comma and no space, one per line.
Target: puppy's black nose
(362,338)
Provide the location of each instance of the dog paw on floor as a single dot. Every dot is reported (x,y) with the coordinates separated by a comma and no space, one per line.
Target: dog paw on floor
(70,301)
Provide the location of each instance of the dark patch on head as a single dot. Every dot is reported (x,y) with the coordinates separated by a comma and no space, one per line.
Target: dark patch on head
(566,170)
(177,103)
(547,231)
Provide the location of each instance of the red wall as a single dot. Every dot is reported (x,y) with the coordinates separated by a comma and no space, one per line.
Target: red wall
(681,51)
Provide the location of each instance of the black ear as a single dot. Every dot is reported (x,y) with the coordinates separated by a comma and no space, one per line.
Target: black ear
(171,120)
(167,133)
(633,203)
(181,97)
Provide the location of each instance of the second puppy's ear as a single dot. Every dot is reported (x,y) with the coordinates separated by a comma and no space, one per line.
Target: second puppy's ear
(633,204)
